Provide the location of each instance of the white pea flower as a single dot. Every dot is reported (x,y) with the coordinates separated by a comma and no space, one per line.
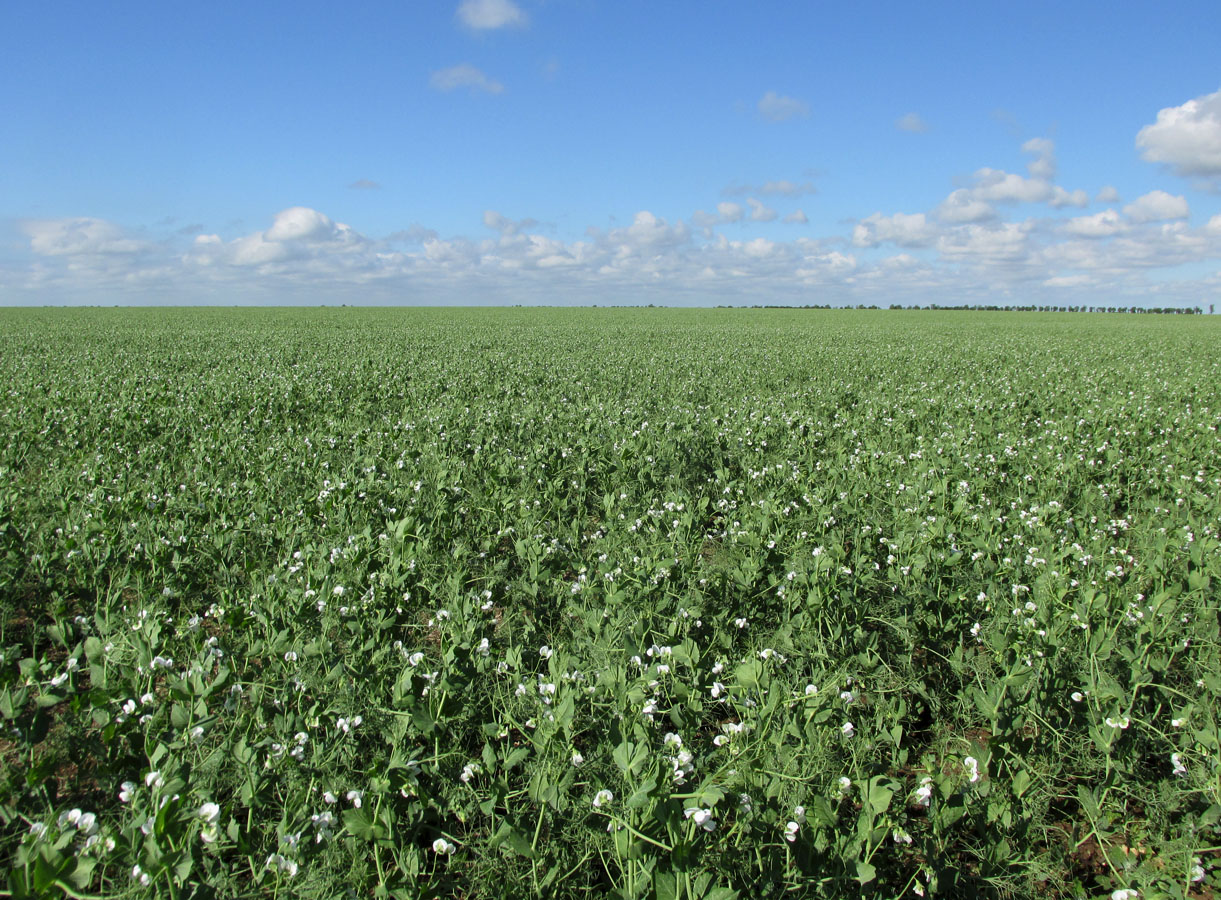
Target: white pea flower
(844,785)
(1124,894)
(848,729)
(357,798)
(545,652)
(1176,760)
(69,818)
(1077,696)
(577,758)
(924,793)
(602,797)
(442,847)
(790,831)
(127,790)
(701,817)
(154,780)
(972,767)
(141,876)
(209,812)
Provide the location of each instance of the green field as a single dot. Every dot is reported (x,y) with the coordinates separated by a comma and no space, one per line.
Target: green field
(666,603)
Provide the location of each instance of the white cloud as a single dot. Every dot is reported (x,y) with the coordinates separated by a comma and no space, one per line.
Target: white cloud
(504,224)
(1107,223)
(1157,206)
(296,234)
(464,75)
(796,217)
(759,212)
(299,223)
(999,186)
(1044,164)
(1187,138)
(963,206)
(730,212)
(1061,198)
(483,15)
(75,236)
(1069,281)
(904,229)
(1004,243)
(1108,195)
(365,184)
(778,108)
(911,122)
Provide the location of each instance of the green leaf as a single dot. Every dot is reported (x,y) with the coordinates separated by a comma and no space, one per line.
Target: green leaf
(630,755)
(359,824)
(865,873)
(508,836)
(516,756)
(641,795)
(665,886)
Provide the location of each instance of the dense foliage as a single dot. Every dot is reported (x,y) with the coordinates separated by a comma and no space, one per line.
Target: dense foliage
(662,603)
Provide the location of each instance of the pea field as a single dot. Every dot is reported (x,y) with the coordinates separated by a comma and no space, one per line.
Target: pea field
(640,603)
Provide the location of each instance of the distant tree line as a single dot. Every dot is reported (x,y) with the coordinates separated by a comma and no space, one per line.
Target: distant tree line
(980,307)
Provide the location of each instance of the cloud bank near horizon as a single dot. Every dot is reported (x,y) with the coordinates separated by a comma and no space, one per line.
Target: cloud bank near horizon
(1002,237)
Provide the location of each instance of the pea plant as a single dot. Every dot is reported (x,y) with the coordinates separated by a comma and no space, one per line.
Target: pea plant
(649,604)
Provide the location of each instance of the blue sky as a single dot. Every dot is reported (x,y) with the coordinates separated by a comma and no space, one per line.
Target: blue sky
(577,151)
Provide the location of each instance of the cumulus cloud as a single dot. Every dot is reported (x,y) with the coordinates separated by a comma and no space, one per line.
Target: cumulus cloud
(76,236)
(1060,198)
(1187,138)
(759,212)
(974,204)
(911,122)
(1107,223)
(1157,206)
(730,212)
(364,184)
(796,217)
(999,186)
(297,233)
(505,225)
(779,108)
(485,15)
(963,206)
(903,229)
(464,75)
(1007,242)
(1108,194)
(299,223)
(1044,163)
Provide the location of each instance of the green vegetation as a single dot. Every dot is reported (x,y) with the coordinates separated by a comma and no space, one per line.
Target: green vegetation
(653,603)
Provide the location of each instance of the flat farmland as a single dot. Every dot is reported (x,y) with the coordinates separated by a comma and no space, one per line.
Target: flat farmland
(649,603)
